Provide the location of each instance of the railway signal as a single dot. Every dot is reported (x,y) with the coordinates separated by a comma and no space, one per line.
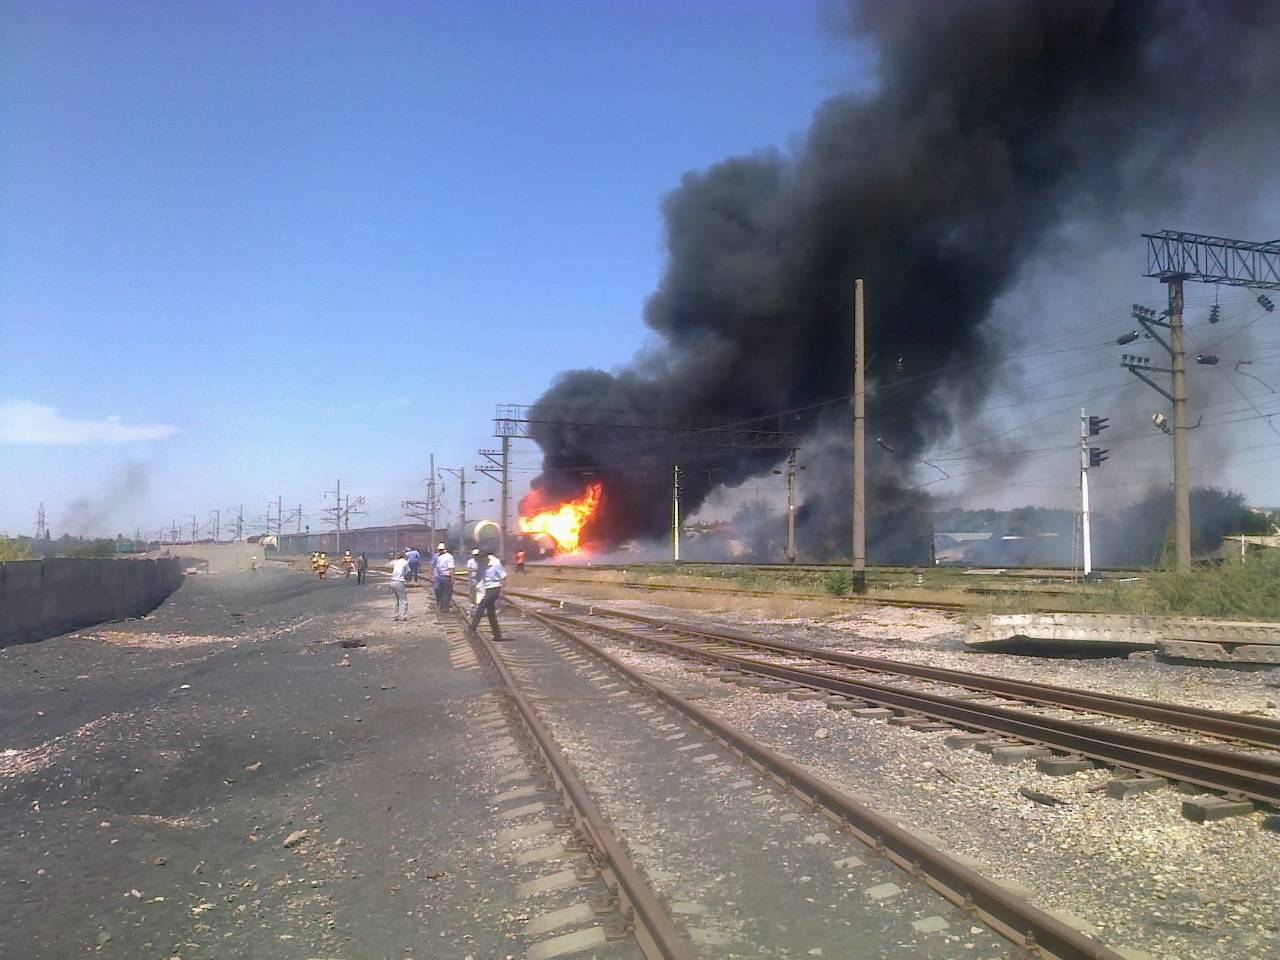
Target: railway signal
(1089,457)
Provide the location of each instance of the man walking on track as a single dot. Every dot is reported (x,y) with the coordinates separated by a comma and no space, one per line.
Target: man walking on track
(442,577)
(415,562)
(492,579)
(362,568)
(399,570)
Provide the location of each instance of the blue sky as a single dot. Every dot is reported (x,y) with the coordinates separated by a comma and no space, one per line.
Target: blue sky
(304,241)
(247,249)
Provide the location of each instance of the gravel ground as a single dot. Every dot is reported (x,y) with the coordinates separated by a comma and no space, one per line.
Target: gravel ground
(1134,868)
(222,780)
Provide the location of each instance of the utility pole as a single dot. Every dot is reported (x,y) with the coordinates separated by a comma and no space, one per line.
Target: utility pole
(425,510)
(1174,256)
(791,506)
(40,523)
(858,578)
(299,518)
(337,519)
(173,524)
(193,528)
(499,468)
(506,498)
(431,501)
(1181,460)
(1177,397)
(675,514)
(217,525)
(240,523)
(461,474)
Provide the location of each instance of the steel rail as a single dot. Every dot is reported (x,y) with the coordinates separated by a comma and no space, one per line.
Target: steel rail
(1012,917)
(1257,778)
(1259,731)
(654,930)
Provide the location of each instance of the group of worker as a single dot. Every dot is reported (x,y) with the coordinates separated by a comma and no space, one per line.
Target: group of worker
(485,573)
(357,565)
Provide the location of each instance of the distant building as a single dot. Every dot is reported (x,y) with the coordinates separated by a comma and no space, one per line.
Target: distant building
(955,547)
(374,541)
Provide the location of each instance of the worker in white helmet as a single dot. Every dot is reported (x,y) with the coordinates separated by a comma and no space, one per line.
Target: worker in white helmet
(442,577)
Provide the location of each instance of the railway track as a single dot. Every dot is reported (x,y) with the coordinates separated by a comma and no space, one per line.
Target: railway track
(528,671)
(1013,715)
(638,905)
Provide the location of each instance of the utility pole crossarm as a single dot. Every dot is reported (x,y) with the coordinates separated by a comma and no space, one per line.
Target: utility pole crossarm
(1193,256)
(1138,372)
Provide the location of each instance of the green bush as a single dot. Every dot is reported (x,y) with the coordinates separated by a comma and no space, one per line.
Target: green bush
(1232,590)
(836,583)
(1249,590)
(12,549)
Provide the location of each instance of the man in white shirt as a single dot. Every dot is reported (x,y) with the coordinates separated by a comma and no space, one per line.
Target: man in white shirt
(473,569)
(492,579)
(442,577)
(399,570)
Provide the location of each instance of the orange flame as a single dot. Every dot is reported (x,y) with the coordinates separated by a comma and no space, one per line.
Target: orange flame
(563,523)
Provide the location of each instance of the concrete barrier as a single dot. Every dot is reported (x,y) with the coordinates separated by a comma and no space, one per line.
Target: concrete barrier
(1111,634)
(43,598)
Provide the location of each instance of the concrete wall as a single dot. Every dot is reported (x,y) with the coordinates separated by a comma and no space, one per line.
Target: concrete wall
(221,557)
(43,598)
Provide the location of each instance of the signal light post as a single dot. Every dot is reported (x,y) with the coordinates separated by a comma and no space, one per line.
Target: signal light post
(1089,457)
(675,514)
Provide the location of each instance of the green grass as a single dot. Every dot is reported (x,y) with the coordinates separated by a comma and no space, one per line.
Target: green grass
(1233,590)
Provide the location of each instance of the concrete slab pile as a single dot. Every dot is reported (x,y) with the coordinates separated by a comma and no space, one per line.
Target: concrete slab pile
(1104,634)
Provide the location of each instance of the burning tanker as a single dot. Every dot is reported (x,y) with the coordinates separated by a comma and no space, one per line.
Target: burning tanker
(564,521)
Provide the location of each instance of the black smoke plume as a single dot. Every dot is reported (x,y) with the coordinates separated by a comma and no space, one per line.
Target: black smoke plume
(993,123)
